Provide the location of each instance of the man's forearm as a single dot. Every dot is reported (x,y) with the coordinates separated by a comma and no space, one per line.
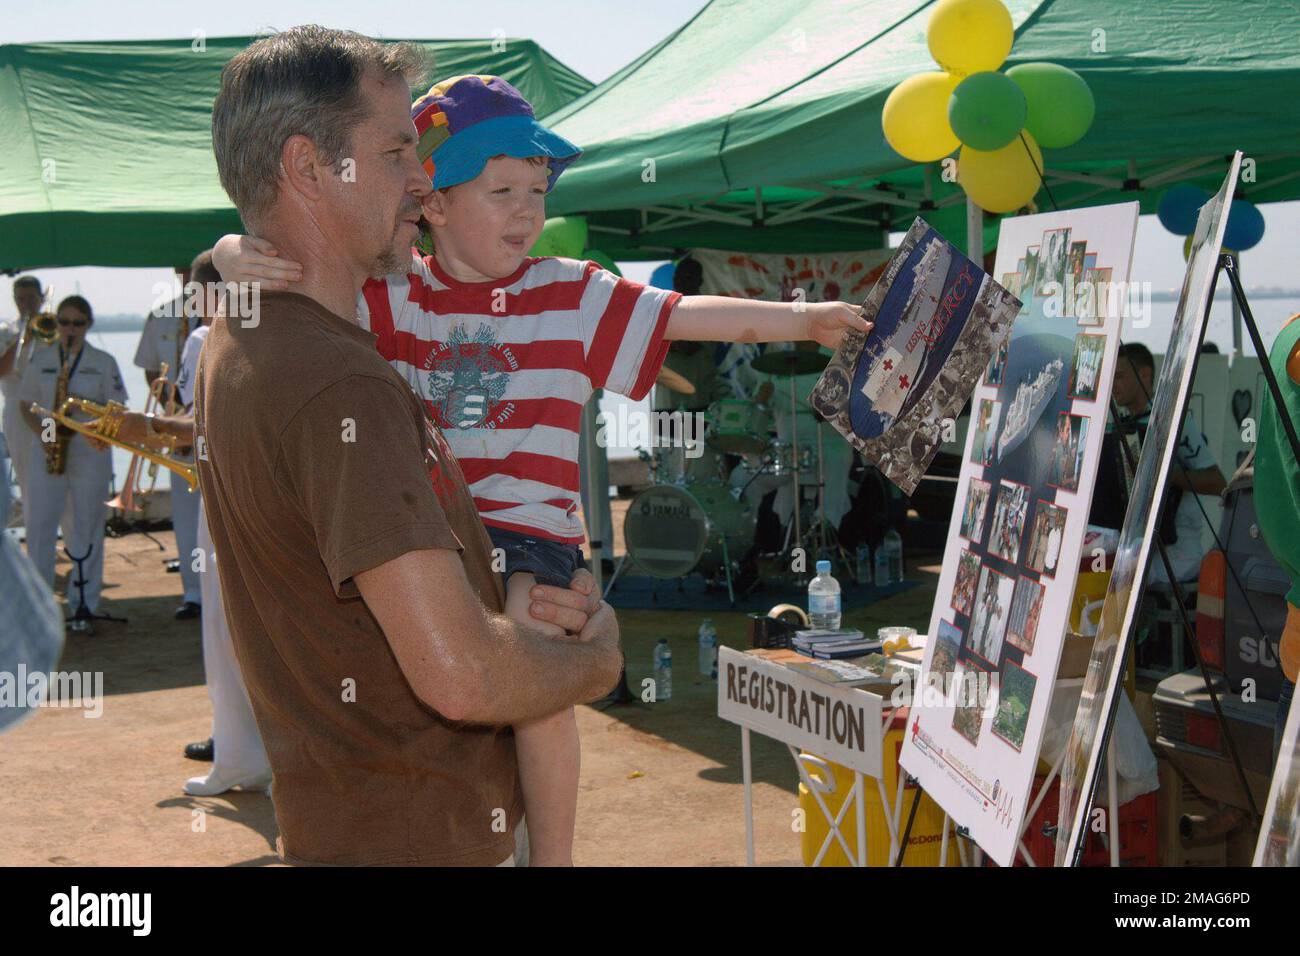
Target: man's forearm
(178,426)
(719,318)
(523,674)
(34,421)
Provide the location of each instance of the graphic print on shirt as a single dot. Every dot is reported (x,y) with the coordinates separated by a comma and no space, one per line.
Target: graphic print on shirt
(467,377)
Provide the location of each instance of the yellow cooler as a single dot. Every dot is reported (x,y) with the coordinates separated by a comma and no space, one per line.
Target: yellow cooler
(927,830)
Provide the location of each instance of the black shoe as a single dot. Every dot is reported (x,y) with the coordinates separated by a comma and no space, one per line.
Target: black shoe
(173,565)
(188,611)
(199,751)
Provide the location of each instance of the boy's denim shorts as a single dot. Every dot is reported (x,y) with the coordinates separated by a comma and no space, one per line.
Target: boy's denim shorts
(549,561)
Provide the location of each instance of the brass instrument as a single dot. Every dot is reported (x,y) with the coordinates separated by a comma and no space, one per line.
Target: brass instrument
(43,326)
(133,486)
(108,419)
(56,452)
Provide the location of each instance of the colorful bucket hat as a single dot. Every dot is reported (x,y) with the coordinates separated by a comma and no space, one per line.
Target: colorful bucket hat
(466,120)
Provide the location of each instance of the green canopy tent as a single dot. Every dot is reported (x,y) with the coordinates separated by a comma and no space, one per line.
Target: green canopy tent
(756,125)
(108,151)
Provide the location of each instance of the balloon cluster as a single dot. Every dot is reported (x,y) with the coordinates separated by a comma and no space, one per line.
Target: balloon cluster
(1180,206)
(1000,120)
(566,237)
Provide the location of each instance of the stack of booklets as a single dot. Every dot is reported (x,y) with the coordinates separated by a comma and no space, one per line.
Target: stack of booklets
(833,645)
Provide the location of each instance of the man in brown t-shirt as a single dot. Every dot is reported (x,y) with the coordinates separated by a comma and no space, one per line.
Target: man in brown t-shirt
(355,573)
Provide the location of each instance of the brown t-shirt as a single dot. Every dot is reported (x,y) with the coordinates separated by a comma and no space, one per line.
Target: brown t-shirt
(319,463)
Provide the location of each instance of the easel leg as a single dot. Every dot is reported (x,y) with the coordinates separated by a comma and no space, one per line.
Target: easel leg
(1112,800)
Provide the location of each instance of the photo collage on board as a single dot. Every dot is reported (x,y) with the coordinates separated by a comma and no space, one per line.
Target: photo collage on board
(1030,432)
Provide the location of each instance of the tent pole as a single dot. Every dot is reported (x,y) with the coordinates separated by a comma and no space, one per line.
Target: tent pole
(975,232)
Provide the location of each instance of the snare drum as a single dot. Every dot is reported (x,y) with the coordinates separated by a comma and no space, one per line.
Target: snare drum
(738,426)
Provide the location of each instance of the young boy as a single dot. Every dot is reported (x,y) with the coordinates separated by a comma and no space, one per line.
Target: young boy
(505,350)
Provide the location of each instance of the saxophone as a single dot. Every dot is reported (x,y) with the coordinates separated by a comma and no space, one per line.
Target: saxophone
(56,452)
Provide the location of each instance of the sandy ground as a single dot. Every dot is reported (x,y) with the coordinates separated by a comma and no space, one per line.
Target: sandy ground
(661,783)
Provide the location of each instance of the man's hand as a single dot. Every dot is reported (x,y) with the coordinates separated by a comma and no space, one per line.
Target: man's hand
(249,259)
(572,607)
(827,322)
(135,429)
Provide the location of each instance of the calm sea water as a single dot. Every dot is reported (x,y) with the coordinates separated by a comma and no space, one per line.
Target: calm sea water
(1269,313)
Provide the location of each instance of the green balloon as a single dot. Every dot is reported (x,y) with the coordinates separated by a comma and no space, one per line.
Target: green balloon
(565,236)
(1061,107)
(602,260)
(986,111)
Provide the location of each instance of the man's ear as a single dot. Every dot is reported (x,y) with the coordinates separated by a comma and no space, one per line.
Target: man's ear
(300,161)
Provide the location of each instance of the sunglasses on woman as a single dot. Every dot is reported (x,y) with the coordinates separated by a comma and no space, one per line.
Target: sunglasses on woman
(75,323)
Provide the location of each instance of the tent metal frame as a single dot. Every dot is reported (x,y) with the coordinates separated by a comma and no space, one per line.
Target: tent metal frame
(846,204)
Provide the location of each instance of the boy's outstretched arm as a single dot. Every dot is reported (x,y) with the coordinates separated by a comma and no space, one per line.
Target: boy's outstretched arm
(719,318)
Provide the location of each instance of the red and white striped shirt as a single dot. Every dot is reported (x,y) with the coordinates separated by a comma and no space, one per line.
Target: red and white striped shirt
(504,368)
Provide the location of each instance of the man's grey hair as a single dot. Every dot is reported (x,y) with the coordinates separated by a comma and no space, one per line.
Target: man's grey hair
(305,81)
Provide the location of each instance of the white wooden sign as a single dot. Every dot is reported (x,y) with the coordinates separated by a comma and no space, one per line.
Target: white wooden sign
(841,724)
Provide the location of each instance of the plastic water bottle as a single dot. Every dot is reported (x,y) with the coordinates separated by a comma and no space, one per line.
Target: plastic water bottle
(824,599)
(663,670)
(894,549)
(864,564)
(882,565)
(708,648)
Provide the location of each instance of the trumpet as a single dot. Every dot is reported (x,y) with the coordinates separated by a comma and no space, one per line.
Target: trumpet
(108,419)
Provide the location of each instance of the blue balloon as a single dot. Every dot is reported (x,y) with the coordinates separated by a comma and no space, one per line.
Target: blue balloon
(1245,226)
(662,278)
(1179,207)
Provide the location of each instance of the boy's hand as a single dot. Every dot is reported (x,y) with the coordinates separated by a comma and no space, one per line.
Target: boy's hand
(572,607)
(828,320)
(249,259)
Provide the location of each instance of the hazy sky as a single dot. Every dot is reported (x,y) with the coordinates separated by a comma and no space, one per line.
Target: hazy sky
(594,37)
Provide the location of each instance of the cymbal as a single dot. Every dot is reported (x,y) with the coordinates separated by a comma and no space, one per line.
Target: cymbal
(674,382)
(790,363)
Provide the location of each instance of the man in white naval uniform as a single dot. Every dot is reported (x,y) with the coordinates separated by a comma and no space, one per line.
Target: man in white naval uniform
(87,474)
(28,296)
(163,340)
(236,749)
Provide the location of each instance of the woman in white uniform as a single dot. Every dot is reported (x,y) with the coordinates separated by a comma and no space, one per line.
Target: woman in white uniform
(86,472)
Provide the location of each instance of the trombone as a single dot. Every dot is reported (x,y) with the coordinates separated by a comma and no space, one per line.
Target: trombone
(133,485)
(107,420)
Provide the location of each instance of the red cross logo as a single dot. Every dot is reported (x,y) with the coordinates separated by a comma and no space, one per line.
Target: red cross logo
(902,380)
(889,365)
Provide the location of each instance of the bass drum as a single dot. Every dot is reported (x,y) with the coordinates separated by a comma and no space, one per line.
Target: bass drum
(671,530)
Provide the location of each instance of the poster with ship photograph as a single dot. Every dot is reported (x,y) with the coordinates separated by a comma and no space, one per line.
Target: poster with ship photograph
(1027,476)
(1114,628)
(939,319)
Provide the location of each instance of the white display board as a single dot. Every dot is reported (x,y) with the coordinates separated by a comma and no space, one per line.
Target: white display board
(1015,540)
(1123,592)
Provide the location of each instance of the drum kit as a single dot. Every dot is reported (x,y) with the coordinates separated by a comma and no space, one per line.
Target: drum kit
(692,519)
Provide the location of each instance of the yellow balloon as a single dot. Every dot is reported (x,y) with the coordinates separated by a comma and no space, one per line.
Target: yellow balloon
(1004,179)
(915,118)
(969,36)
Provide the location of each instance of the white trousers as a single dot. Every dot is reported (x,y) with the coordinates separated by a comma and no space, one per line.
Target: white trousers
(19,438)
(236,742)
(185,522)
(79,492)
